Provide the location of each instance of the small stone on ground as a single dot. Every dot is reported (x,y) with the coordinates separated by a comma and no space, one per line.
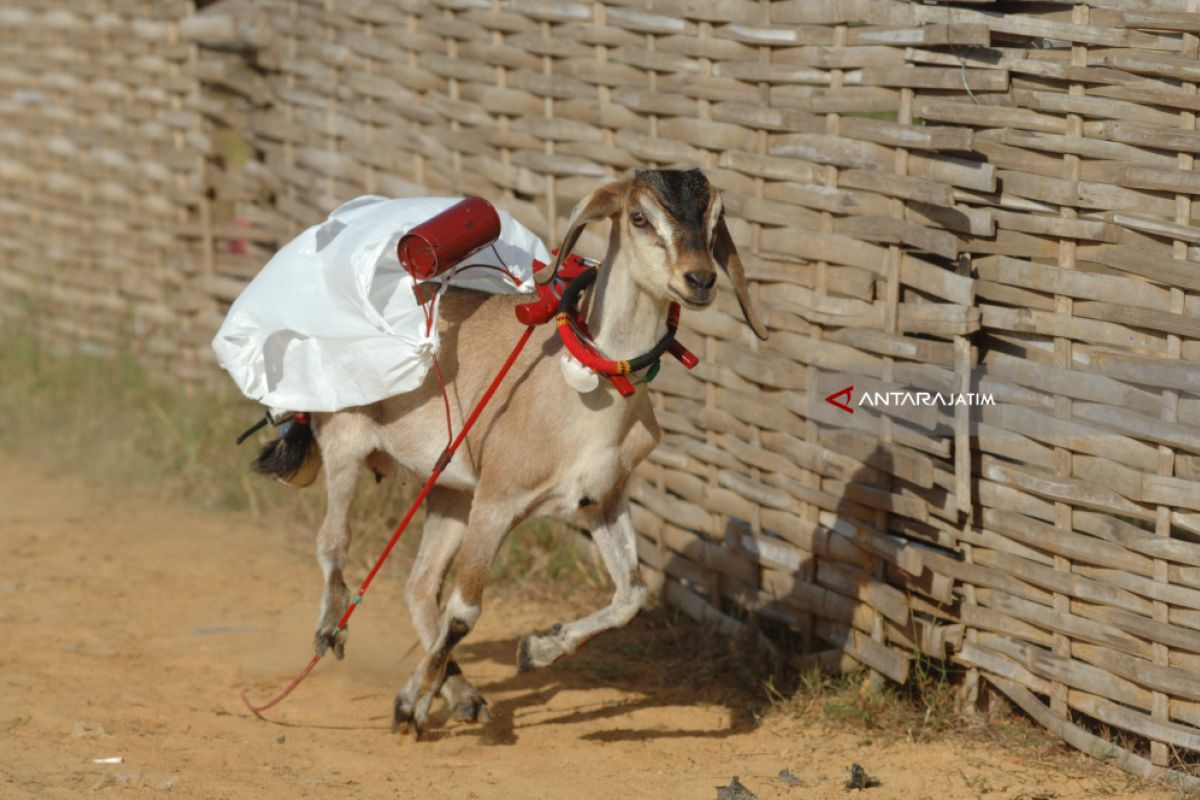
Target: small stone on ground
(735,791)
(859,779)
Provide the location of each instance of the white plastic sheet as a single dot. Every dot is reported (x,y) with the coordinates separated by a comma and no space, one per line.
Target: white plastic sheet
(332,322)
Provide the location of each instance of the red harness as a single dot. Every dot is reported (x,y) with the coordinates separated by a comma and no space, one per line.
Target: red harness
(559,298)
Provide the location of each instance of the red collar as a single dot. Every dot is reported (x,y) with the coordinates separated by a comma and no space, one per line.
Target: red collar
(559,298)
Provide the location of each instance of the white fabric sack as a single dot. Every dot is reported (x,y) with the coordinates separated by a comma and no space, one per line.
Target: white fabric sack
(332,322)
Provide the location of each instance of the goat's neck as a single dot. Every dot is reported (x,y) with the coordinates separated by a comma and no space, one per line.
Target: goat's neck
(625,321)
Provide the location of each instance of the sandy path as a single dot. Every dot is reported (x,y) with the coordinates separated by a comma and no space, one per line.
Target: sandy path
(129,628)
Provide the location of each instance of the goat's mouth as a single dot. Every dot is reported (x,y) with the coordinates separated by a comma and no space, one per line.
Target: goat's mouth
(696,301)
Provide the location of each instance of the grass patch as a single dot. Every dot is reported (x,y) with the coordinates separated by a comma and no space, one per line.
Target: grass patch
(923,709)
(133,433)
(543,549)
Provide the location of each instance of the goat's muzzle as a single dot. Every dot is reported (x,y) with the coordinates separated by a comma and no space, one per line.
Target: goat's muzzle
(697,289)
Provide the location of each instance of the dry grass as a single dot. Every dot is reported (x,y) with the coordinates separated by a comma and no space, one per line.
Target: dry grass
(921,710)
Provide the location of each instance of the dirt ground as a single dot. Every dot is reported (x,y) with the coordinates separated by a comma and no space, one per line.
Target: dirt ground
(130,628)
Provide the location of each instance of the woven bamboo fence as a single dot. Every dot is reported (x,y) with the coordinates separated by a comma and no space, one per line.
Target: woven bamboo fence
(99,170)
(975,197)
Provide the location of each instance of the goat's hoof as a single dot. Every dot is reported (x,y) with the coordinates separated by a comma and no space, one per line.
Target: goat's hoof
(472,709)
(539,649)
(524,659)
(404,721)
(331,636)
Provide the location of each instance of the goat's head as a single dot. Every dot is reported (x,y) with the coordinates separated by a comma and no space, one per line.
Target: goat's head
(672,223)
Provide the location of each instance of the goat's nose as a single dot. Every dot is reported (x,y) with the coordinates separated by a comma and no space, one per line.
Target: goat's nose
(701,279)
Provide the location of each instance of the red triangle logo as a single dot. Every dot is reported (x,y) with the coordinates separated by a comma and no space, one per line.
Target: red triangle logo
(833,399)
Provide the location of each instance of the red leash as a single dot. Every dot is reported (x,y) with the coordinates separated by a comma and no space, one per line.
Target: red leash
(442,462)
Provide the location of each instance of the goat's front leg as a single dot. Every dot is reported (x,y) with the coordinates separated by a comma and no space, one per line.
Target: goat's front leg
(617,542)
(488,525)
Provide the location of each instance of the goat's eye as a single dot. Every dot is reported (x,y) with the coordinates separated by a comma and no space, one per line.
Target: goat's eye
(638,219)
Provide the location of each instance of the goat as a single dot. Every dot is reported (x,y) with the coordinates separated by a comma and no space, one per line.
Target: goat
(540,449)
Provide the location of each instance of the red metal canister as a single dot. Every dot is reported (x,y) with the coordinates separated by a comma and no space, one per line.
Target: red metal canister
(442,241)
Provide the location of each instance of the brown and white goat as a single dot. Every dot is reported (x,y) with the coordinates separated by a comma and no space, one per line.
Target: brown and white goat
(540,448)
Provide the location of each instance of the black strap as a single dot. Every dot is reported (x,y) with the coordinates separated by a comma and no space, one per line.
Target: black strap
(570,299)
(256,427)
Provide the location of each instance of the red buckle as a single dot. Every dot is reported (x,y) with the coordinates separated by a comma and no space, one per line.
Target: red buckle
(685,356)
(622,384)
(542,310)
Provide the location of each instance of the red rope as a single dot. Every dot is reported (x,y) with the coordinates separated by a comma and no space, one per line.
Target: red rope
(426,306)
(279,699)
(442,462)
(437,370)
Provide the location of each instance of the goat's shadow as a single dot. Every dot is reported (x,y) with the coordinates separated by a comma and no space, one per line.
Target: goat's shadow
(660,660)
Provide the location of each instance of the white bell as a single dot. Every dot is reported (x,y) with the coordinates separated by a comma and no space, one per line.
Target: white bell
(577,376)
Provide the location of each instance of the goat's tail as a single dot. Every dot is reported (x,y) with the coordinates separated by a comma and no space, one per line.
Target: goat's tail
(293,458)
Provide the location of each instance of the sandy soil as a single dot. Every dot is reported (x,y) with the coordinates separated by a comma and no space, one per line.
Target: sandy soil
(130,628)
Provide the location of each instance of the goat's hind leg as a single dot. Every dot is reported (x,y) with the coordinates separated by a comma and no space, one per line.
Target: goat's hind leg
(617,542)
(489,524)
(344,444)
(446,514)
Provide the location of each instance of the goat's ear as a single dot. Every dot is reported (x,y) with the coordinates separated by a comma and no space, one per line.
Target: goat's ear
(602,202)
(726,255)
